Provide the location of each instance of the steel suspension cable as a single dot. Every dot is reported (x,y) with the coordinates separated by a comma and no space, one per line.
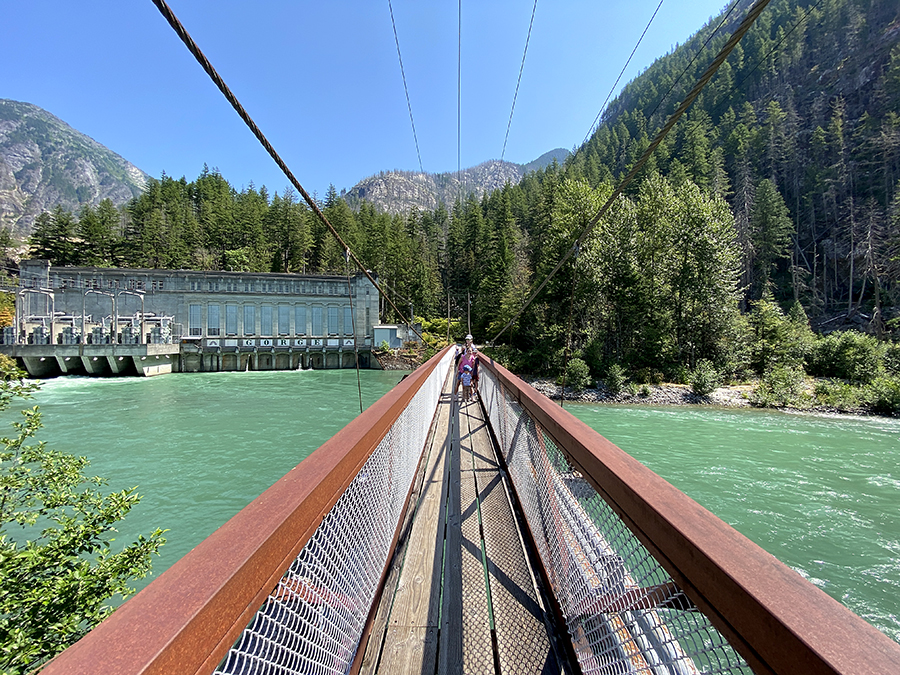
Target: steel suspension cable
(353,326)
(405,89)
(459,100)
(519,81)
(188,41)
(622,72)
(694,58)
(748,21)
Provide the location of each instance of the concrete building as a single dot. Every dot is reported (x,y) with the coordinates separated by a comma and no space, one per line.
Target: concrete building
(104,321)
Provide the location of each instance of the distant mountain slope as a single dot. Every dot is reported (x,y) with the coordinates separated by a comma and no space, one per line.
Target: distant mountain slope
(400,191)
(45,162)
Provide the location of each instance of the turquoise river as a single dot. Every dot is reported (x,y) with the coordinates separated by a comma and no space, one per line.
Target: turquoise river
(821,493)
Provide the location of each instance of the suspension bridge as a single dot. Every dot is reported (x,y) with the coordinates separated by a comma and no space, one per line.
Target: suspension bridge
(432,535)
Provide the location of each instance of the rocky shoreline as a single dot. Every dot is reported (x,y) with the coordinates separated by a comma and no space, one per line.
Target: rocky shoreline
(732,396)
(650,394)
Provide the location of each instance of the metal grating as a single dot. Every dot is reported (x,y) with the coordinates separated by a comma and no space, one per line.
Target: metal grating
(623,611)
(313,620)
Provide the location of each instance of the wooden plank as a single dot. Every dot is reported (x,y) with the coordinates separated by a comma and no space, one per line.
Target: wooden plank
(450,643)
(417,600)
(409,650)
(382,640)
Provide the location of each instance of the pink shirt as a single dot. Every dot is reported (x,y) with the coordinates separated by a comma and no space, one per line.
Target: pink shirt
(466,360)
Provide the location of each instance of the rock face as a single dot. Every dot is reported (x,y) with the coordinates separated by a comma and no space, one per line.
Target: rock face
(401,191)
(44,163)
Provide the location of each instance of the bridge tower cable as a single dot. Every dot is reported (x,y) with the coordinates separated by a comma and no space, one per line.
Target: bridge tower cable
(459,102)
(188,41)
(405,88)
(739,33)
(519,81)
(622,72)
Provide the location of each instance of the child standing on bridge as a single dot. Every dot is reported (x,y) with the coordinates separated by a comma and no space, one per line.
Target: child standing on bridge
(467,382)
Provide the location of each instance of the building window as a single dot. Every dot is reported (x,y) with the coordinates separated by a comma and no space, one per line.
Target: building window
(212,320)
(317,321)
(196,320)
(265,320)
(300,320)
(284,320)
(348,320)
(332,320)
(231,319)
(249,319)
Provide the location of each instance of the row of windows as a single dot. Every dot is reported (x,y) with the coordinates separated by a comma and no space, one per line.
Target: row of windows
(200,285)
(306,321)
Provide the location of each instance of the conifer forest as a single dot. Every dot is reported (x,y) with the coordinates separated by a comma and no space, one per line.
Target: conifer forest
(775,201)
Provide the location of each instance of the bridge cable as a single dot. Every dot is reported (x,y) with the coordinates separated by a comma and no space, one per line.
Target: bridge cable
(188,41)
(748,21)
(691,62)
(616,83)
(353,326)
(405,89)
(765,56)
(459,102)
(519,81)
(562,397)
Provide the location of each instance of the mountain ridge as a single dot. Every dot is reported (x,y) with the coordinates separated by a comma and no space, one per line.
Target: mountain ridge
(45,162)
(400,191)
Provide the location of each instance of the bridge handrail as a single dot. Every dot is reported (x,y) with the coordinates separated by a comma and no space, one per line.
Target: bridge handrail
(775,619)
(187,620)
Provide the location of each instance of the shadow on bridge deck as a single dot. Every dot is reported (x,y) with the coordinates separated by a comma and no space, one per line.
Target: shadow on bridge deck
(461,595)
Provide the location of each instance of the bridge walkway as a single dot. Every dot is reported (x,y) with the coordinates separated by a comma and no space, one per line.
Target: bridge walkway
(461,595)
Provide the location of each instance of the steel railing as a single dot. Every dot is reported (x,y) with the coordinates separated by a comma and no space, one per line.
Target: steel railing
(647,580)
(288,583)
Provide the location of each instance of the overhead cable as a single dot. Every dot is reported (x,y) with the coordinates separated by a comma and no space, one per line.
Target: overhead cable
(748,21)
(616,83)
(519,81)
(188,41)
(405,89)
(691,62)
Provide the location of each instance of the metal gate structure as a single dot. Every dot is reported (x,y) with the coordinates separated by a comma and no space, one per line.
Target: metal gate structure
(645,580)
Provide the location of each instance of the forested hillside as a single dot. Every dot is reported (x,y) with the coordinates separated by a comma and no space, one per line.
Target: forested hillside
(802,120)
(775,198)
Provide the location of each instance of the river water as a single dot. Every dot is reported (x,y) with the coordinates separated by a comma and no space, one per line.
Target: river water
(820,493)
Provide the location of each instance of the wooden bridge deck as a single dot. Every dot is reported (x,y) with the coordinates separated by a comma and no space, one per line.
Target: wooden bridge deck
(461,595)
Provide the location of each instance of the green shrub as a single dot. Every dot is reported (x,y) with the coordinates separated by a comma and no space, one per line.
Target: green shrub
(704,378)
(578,375)
(780,387)
(892,358)
(778,340)
(649,376)
(384,346)
(883,395)
(850,355)
(837,394)
(616,379)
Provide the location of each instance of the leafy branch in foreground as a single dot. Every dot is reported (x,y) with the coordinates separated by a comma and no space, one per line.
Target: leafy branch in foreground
(57,569)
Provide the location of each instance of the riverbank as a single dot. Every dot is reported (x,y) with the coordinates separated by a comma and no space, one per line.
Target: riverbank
(732,396)
(735,396)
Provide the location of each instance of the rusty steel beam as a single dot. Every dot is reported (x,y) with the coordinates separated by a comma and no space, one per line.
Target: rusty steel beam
(779,622)
(186,620)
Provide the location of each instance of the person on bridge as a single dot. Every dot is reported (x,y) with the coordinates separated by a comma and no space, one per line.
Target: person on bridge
(467,357)
(467,383)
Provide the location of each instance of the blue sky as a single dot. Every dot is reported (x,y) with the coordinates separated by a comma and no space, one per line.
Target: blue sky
(322,79)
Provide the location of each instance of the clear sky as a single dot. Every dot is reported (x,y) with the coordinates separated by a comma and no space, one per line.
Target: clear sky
(322,79)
